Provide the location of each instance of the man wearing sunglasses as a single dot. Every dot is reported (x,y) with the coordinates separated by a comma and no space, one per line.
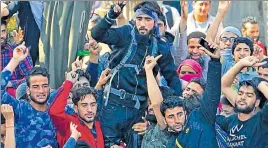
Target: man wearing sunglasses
(226,40)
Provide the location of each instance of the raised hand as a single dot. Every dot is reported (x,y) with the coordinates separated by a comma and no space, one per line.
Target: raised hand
(93,45)
(105,76)
(184,9)
(20,53)
(258,52)
(150,62)
(251,61)
(71,76)
(18,36)
(224,6)
(74,133)
(141,127)
(76,65)
(8,113)
(216,53)
(116,9)
(116,146)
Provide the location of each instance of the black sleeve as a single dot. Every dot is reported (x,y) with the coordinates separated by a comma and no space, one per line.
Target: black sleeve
(222,122)
(168,70)
(211,97)
(103,32)
(264,114)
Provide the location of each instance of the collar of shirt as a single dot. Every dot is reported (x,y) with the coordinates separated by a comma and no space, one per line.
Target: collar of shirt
(7,46)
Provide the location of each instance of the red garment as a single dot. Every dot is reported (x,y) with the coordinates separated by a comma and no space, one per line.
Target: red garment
(263,47)
(21,71)
(61,121)
(12,91)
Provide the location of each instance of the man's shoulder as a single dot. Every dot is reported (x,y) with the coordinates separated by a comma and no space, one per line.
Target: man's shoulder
(170,37)
(25,107)
(163,45)
(125,28)
(12,46)
(229,119)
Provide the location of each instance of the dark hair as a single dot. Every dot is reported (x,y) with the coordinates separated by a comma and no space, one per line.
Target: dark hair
(3,22)
(171,102)
(247,83)
(225,101)
(37,71)
(85,74)
(199,81)
(195,34)
(192,102)
(82,92)
(265,65)
(162,18)
(150,5)
(249,19)
(3,119)
(245,40)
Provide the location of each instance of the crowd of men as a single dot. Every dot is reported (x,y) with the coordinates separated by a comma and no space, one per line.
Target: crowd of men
(170,78)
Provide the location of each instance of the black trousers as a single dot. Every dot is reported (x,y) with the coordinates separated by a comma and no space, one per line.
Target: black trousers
(33,42)
(30,28)
(117,121)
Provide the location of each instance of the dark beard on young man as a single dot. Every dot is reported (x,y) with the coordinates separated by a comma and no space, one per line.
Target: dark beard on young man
(246,110)
(86,121)
(151,118)
(4,43)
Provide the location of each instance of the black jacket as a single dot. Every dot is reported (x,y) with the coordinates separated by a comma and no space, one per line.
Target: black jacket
(120,39)
(199,130)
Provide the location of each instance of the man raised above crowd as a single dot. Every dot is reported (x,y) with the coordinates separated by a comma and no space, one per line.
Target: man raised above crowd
(127,90)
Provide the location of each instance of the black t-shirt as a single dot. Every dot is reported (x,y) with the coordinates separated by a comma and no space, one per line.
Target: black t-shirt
(252,133)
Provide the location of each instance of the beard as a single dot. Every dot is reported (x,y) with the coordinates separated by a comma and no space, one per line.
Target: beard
(143,29)
(246,110)
(148,32)
(38,102)
(192,103)
(173,129)
(151,118)
(86,120)
(3,43)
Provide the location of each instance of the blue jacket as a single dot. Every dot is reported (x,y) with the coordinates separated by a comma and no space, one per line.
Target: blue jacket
(32,128)
(199,130)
